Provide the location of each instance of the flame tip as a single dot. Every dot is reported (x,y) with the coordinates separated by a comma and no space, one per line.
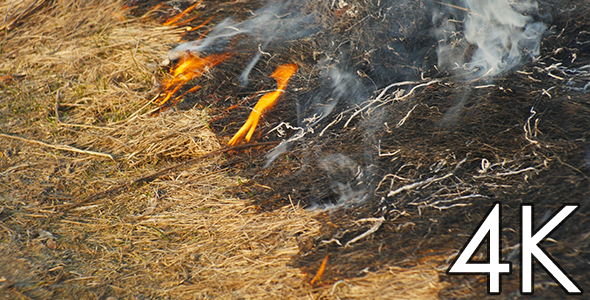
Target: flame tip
(282,74)
(189,66)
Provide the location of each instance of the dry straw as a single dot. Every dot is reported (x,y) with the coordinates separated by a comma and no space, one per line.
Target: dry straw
(82,75)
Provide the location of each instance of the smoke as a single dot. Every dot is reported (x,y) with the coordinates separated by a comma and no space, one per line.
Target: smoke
(275,23)
(336,84)
(346,180)
(351,49)
(496,35)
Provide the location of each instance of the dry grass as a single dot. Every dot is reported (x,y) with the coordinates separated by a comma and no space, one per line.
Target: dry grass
(393,283)
(81,74)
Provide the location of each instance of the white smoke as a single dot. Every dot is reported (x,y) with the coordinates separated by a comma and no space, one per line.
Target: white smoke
(497,35)
(276,22)
(346,180)
(337,84)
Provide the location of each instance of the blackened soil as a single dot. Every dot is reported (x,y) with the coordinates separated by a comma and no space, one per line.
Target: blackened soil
(521,138)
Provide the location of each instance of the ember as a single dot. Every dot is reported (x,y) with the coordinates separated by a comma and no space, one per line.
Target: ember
(282,75)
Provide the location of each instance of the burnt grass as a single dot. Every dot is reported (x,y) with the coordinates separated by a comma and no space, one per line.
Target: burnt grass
(531,126)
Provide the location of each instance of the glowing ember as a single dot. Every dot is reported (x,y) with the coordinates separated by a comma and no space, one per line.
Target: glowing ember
(282,75)
(189,67)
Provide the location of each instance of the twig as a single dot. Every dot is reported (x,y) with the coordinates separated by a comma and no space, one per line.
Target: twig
(483,76)
(417,184)
(435,204)
(336,284)
(400,98)
(27,11)
(511,172)
(57,107)
(58,147)
(484,86)
(9,170)
(404,119)
(153,176)
(454,6)
(378,98)
(441,208)
(84,126)
(388,153)
(336,120)
(7,12)
(573,168)
(375,227)
(324,242)
(410,92)
(354,25)
(134,116)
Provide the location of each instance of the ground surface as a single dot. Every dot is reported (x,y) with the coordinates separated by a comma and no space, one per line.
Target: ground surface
(105,194)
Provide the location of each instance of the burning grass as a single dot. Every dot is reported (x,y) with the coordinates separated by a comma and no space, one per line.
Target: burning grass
(84,76)
(282,75)
(104,194)
(189,67)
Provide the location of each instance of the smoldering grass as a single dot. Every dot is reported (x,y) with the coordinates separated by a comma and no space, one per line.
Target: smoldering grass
(180,236)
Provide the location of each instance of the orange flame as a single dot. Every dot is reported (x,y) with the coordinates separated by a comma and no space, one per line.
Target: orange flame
(201,25)
(318,275)
(181,15)
(189,67)
(282,75)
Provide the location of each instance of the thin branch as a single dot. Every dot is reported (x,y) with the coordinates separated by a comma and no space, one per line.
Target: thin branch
(58,147)
(454,6)
(511,172)
(404,119)
(336,120)
(375,227)
(417,184)
(378,98)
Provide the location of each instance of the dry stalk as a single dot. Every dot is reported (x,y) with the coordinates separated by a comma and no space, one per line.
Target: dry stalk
(397,97)
(377,99)
(420,282)
(375,227)
(418,184)
(58,147)
(20,10)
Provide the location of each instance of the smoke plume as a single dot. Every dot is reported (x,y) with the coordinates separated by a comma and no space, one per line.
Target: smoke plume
(351,50)
(496,35)
(277,22)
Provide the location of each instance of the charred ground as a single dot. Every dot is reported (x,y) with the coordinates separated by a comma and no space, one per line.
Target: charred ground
(519,138)
(530,126)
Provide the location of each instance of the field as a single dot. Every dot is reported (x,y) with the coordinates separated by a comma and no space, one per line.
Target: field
(104,194)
